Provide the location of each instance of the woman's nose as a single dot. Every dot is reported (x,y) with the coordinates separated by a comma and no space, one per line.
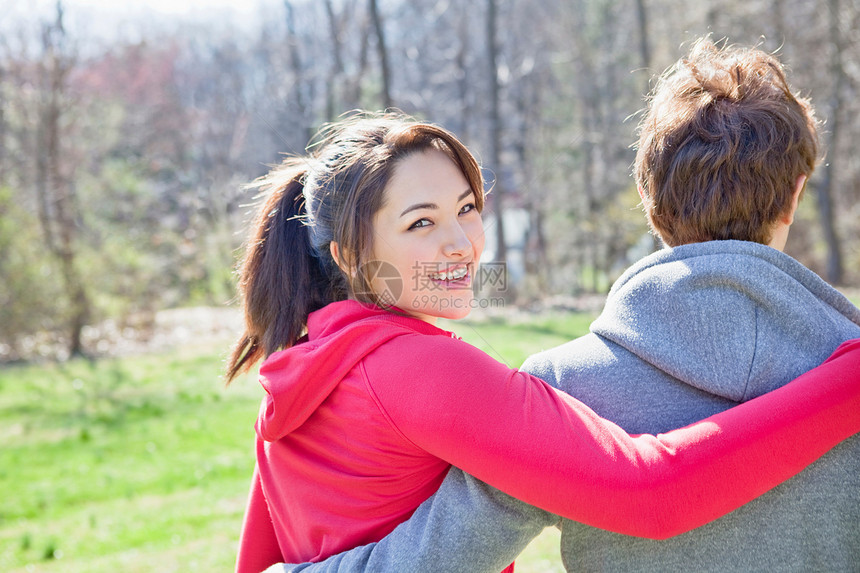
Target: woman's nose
(457,241)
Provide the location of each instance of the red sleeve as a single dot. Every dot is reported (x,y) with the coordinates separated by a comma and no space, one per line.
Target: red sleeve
(544,447)
(258,546)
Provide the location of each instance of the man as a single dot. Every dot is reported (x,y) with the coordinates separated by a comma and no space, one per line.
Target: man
(719,317)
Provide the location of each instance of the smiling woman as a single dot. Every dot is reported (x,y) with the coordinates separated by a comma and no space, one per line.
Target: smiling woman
(356,251)
(430,231)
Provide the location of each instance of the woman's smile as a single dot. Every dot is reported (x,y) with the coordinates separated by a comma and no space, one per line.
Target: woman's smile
(455,277)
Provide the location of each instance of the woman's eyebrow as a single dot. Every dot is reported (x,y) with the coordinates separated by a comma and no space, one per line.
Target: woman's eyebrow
(417,206)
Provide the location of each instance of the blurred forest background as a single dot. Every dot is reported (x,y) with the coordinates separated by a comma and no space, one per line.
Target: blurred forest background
(123,151)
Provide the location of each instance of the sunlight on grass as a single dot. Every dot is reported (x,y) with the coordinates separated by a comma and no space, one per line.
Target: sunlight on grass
(144,454)
(542,554)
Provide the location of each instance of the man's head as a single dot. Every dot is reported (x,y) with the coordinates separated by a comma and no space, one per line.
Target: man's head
(725,148)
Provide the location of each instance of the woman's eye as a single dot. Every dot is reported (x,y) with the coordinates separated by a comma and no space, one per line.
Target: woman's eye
(420,223)
(467,208)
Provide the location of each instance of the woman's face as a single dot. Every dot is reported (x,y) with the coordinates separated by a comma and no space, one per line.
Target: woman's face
(428,239)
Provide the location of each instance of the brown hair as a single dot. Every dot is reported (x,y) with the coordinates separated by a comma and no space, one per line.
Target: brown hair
(722,145)
(330,195)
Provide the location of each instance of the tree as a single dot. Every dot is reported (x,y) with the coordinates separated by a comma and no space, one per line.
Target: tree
(495,139)
(3,120)
(55,187)
(824,189)
(383,53)
(298,69)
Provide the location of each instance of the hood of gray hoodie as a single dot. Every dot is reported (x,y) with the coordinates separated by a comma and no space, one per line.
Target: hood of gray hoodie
(732,318)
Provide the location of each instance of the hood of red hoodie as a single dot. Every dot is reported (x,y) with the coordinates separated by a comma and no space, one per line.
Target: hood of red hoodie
(297,380)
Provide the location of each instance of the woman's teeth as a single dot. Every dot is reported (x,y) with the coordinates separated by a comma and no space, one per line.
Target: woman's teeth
(455,274)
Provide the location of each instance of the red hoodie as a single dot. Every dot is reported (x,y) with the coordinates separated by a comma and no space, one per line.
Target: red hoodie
(361,423)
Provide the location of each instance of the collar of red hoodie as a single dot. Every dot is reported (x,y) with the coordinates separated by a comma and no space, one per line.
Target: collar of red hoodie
(297,380)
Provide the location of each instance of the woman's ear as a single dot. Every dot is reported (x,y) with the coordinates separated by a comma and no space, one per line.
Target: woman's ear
(342,264)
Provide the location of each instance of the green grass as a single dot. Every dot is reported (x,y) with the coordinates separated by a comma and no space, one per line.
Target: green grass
(123,464)
(143,464)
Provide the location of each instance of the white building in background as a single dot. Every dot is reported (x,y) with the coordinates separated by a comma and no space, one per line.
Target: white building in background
(517,226)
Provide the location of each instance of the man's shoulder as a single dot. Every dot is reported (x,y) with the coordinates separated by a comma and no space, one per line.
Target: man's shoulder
(621,386)
(588,360)
(546,364)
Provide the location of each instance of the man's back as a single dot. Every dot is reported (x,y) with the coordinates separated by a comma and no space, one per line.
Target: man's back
(691,331)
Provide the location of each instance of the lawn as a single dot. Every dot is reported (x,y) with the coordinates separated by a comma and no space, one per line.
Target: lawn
(142,464)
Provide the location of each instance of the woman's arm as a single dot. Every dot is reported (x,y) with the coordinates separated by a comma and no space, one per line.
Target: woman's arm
(549,450)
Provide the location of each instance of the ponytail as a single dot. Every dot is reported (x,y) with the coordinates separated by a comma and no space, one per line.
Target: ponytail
(281,278)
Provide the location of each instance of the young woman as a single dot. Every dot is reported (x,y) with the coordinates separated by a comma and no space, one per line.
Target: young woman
(357,250)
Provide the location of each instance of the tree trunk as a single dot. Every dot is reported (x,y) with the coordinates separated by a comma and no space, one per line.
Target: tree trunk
(383,54)
(298,72)
(645,56)
(644,47)
(588,97)
(335,73)
(355,94)
(824,190)
(3,104)
(57,207)
(534,251)
(463,82)
(777,10)
(496,133)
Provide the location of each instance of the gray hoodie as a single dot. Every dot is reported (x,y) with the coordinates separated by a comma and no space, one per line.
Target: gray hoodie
(686,332)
